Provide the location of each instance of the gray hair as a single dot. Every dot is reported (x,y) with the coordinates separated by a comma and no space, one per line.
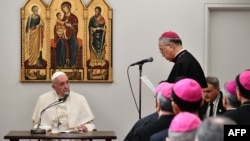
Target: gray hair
(212,128)
(231,99)
(182,136)
(165,103)
(164,41)
(213,81)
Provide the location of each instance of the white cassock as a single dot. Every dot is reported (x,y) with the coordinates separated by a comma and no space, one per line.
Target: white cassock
(72,113)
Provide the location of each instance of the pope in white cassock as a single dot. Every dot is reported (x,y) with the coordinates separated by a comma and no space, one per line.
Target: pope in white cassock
(73,115)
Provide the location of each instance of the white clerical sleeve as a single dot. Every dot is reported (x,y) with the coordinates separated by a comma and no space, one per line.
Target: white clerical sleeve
(79,110)
(90,126)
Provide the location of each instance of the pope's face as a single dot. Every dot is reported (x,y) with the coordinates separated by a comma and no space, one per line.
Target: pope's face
(61,85)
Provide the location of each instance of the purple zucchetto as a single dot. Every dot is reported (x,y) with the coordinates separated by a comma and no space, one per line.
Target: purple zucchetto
(170,34)
(184,122)
(165,88)
(188,90)
(244,79)
(230,87)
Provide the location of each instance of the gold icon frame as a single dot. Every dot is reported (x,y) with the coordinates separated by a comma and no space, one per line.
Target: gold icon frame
(69,41)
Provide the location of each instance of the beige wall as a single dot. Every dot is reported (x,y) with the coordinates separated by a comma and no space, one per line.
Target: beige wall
(136,28)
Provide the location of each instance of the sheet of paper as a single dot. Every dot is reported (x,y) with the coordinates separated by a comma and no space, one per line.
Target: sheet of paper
(69,131)
(148,83)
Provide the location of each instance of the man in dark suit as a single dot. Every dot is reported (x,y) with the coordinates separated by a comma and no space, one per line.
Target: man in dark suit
(157,121)
(166,115)
(186,97)
(213,99)
(241,115)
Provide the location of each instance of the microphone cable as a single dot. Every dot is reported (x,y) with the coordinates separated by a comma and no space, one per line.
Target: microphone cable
(132,89)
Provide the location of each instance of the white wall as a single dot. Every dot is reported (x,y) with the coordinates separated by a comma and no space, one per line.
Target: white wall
(136,27)
(226,51)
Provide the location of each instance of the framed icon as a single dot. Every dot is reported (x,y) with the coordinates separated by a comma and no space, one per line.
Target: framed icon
(69,36)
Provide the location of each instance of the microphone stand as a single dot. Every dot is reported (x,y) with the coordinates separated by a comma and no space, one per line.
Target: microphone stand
(43,131)
(140,63)
(140,74)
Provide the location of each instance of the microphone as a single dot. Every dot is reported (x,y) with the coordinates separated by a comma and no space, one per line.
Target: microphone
(65,97)
(150,59)
(59,101)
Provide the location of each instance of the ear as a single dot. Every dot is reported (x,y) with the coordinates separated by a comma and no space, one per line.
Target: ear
(53,86)
(157,106)
(224,102)
(172,46)
(239,97)
(176,109)
(202,102)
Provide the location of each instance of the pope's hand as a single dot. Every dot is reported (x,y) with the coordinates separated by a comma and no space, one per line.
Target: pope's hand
(82,128)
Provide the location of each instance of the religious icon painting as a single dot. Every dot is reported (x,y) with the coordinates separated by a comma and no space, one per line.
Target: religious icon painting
(69,36)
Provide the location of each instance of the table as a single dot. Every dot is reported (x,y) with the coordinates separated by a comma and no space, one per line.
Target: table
(17,135)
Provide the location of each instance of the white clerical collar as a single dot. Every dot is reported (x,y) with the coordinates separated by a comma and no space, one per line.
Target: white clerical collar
(179,52)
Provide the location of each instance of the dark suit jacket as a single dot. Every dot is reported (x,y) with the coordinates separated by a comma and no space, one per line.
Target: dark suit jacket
(241,115)
(220,109)
(144,133)
(139,124)
(160,136)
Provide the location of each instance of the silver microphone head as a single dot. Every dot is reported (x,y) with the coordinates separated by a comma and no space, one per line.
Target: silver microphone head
(150,59)
(66,94)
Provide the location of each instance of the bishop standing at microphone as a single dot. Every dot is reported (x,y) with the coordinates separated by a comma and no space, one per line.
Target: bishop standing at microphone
(185,64)
(74,114)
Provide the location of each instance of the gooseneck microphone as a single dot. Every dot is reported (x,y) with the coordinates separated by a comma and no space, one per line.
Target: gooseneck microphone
(150,59)
(43,131)
(64,98)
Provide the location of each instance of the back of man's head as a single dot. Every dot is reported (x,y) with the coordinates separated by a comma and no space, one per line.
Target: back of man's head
(164,96)
(230,94)
(187,94)
(212,129)
(183,127)
(243,83)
